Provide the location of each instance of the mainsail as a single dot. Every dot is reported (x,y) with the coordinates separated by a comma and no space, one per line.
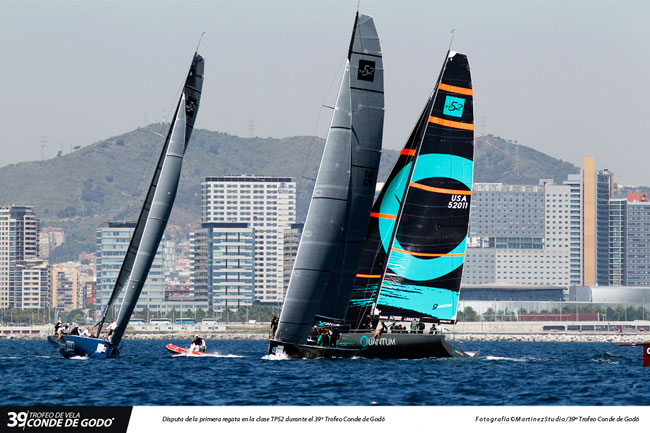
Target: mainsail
(158,202)
(343,193)
(367,98)
(413,257)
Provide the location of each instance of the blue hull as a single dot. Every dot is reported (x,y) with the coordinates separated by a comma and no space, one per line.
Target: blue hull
(74,345)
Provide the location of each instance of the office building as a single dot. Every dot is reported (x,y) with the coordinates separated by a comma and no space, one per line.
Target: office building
(112,243)
(222,264)
(519,234)
(604,187)
(66,289)
(19,260)
(268,205)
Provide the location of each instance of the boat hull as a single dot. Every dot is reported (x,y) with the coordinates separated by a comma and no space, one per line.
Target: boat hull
(387,346)
(75,345)
(177,350)
(53,340)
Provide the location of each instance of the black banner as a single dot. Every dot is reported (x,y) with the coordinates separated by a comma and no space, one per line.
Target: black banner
(110,419)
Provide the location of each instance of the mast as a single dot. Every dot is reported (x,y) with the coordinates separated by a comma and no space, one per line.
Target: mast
(423,212)
(158,202)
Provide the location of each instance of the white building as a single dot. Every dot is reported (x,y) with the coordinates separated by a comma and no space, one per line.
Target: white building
(23,277)
(268,204)
(519,234)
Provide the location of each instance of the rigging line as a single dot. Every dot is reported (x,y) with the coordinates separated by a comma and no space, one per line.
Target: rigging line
(310,146)
(197,45)
(452,38)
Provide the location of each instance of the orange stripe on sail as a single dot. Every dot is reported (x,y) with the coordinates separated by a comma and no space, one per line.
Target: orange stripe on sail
(456,89)
(451,123)
(383,215)
(409,152)
(440,190)
(368,276)
(428,254)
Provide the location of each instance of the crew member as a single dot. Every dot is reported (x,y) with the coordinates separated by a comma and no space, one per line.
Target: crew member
(111,329)
(198,344)
(380,330)
(274,325)
(57,326)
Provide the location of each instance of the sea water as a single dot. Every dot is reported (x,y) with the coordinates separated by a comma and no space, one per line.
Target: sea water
(240,373)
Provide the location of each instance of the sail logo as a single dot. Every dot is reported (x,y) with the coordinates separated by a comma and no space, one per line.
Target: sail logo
(454,106)
(366,70)
(191,106)
(371,341)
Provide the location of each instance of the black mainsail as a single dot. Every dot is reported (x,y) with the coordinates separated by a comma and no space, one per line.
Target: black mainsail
(367,98)
(157,204)
(413,257)
(338,213)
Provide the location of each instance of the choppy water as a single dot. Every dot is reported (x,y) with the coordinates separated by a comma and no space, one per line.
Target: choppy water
(506,373)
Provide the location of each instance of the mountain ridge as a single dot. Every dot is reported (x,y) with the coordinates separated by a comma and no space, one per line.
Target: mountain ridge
(107,180)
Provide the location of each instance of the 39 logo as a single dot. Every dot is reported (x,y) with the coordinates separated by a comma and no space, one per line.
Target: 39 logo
(17,419)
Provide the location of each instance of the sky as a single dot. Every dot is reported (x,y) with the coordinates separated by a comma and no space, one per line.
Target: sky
(568,78)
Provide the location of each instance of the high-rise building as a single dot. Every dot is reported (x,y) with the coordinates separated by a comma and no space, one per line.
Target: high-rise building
(617,246)
(222,264)
(268,205)
(629,242)
(589,221)
(112,243)
(576,240)
(34,281)
(66,290)
(19,260)
(519,234)
(604,186)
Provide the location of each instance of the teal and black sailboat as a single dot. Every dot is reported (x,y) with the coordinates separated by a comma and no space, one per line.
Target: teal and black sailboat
(150,225)
(411,263)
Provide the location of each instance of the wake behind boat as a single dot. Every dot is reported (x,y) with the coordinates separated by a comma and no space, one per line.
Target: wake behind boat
(408,267)
(149,227)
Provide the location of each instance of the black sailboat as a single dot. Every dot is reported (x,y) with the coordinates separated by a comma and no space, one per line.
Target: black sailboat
(150,225)
(410,267)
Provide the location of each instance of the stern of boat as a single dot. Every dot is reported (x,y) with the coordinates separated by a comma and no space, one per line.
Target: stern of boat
(74,345)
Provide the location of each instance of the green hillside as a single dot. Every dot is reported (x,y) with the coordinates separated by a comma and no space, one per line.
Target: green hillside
(106,181)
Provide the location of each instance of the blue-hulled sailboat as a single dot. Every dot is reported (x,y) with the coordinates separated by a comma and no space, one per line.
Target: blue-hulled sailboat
(149,227)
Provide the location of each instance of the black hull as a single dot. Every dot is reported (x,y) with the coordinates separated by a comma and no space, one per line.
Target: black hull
(388,346)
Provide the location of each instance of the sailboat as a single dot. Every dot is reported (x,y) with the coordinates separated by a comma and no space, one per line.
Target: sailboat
(338,215)
(149,227)
(410,265)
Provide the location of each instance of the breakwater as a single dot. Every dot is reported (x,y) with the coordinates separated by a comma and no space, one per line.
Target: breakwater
(616,332)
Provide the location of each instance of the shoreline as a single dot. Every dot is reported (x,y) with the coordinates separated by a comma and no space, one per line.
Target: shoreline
(461,332)
(450,336)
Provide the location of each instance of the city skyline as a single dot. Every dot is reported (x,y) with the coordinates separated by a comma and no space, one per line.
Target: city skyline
(559,77)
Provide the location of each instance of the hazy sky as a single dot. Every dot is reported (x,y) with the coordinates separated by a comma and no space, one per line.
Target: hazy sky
(568,78)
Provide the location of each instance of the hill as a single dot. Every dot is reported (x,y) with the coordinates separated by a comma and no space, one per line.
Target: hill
(106,181)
